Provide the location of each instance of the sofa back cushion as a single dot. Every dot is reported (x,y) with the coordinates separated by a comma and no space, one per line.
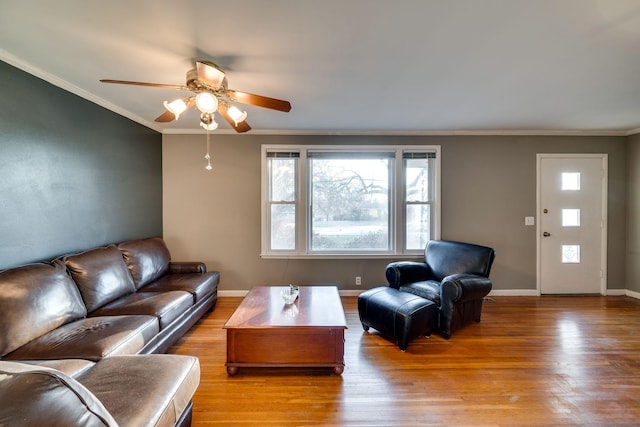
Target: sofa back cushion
(35,299)
(101,275)
(445,257)
(147,259)
(38,396)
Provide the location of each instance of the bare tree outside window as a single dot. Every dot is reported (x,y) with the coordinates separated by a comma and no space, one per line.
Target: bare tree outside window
(350,204)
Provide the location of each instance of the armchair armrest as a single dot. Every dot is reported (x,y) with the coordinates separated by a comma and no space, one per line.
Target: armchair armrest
(401,272)
(187,267)
(464,287)
(456,290)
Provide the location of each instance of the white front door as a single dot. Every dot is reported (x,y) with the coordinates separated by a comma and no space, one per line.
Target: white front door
(572,220)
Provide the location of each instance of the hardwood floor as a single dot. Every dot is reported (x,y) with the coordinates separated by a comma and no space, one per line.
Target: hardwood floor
(531,361)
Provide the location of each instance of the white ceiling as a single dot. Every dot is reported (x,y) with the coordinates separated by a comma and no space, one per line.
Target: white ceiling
(350,66)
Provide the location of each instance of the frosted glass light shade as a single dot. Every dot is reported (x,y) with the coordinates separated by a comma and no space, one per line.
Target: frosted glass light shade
(177,107)
(206,102)
(236,115)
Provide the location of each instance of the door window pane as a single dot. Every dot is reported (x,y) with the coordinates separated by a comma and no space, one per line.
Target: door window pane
(571,217)
(570,254)
(571,181)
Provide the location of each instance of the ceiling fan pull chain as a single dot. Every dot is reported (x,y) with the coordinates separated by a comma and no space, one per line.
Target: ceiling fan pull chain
(207,156)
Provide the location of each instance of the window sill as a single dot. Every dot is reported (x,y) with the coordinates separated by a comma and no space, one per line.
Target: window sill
(344,256)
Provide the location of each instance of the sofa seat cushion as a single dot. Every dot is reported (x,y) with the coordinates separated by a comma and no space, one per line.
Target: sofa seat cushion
(35,299)
(147,259)
(70,367)
(198,285)
(92,338)
(158,387)
(429,289)
(39,396)
(101,275)
(166,306)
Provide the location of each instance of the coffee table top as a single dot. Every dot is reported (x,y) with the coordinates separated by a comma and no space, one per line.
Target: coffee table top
(263,307)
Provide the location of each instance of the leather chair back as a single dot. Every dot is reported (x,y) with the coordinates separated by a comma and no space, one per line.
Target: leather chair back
(445,257)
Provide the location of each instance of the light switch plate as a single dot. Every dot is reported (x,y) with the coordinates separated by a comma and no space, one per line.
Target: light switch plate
(529,220)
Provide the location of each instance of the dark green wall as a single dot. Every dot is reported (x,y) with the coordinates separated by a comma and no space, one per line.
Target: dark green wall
(73,175)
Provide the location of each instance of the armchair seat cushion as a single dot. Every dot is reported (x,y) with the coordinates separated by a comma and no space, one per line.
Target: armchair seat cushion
(429,289)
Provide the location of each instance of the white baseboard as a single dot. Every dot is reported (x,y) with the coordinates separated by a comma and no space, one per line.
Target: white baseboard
(232,293)
(632,294)
(514,293)
(351,293)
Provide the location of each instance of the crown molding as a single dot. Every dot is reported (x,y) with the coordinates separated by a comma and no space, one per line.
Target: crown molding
(69,87)
(497,132)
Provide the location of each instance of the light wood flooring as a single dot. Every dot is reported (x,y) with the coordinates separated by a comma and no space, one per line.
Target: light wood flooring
(543,361)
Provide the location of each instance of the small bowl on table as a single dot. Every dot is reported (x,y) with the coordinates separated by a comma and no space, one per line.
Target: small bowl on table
(290,294)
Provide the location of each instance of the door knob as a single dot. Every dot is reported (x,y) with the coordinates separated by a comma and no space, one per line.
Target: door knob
(546,234)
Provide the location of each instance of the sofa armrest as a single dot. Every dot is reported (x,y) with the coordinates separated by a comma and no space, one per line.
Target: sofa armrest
(401,272)
(37,395)
(187,267)
(464,287)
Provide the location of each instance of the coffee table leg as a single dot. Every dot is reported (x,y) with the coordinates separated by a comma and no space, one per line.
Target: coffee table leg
(232,370)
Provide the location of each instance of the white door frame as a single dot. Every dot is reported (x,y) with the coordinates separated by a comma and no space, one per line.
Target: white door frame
(603,255)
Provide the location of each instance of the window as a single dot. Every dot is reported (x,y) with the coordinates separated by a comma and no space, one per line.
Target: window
(360,201)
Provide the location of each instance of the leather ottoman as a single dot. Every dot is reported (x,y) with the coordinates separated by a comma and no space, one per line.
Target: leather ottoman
(397,315)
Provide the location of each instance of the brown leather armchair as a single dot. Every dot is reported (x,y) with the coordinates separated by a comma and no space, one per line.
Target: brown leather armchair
(454,275)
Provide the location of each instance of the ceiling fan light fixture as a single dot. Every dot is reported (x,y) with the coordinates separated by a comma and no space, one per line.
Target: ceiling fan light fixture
(176,107)
(236,115)
(207,122)
(207,102)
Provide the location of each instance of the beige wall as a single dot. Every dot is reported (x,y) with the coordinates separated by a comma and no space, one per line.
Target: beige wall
(633,217)
(488,186)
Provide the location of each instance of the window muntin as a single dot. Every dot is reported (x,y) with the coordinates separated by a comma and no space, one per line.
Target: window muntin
(349,201)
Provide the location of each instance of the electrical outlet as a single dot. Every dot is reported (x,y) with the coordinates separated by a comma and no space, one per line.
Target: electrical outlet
(358,280)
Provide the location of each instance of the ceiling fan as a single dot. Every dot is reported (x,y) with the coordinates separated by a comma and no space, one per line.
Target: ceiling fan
(210,94)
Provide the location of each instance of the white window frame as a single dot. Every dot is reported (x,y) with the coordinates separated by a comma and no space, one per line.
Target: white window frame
(396,205)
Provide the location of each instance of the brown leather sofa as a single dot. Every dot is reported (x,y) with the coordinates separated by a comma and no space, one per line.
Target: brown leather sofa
(85,326)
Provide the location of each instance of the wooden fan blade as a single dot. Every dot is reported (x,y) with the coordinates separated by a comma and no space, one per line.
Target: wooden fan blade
(126,82)
(209,73)
(259,100)
(241,127)
(168,116)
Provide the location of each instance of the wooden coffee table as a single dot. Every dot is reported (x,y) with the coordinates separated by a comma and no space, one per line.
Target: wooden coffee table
(264,332)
